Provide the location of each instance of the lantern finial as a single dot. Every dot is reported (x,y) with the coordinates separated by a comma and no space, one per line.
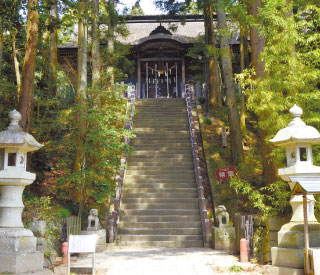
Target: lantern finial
(15,118)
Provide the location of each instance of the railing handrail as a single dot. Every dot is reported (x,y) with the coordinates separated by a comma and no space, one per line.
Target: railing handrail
(113,221)
(206,228)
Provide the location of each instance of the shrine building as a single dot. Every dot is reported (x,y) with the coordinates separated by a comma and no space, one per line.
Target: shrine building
(160,54)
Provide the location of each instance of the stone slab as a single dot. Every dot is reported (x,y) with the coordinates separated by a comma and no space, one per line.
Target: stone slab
(275,224)
(21,262)
(295,239)
(287,257)
(273,236)
(275,270)
(18,244)
(224,239)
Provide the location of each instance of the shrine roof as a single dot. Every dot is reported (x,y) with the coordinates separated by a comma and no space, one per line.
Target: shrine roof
(184,30)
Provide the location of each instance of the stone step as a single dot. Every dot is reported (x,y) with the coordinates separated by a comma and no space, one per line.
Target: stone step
(159,120)
(185,244)
(160,231)
(192,224)
(162,190)
(157,212)
(141,168)
(163,150)
(166,157)
(158,163)
(149,179)
(183,129)
(159,140)
(161,174)
(160,185)
(160,109)
(159,200)
(156,194)
(142,206)
(163,218)
(156,237)
(161,147)
(149,153)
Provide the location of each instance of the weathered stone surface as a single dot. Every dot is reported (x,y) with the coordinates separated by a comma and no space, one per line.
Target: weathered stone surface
(275,270)
(287,257)
(21,262)
(275,223)
(224,239)
(292,235)
(21,244)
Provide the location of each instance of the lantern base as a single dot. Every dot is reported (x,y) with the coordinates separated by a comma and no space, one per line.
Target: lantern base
(18,251)
(275,270)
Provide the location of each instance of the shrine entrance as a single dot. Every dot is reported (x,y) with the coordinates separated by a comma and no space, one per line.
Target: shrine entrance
(160,63)
(161,78)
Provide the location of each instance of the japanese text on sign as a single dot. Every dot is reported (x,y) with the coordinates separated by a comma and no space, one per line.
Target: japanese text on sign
(226,173)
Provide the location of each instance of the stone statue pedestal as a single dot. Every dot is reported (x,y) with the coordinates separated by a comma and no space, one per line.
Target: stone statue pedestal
(224,239)
(101,244)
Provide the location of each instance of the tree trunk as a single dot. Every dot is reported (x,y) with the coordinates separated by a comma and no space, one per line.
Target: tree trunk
(16,64)
(257,45)
(111,26)
(212,65)
(53,47)
(244,63)
(82,51)
(257,41)
(234,121)
(81,97)
(1,46)
(96,57)
(25,101)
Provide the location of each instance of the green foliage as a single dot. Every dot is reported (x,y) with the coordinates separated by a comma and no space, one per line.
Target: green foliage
(236,268)
(42,209)
(101,145)
(270,200)
(207,121)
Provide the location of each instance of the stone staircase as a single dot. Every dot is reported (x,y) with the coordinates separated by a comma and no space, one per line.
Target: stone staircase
(159,205)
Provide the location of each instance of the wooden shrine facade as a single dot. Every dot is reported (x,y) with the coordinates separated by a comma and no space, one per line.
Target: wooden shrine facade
(159,53)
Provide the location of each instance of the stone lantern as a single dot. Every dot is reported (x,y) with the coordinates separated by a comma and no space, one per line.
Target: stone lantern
(298,139)
(17,244)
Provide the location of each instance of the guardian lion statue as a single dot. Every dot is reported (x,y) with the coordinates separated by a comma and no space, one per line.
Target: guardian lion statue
(93,220)
(222,214)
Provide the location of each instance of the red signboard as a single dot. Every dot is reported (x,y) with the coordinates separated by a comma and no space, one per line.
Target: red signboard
(226,173)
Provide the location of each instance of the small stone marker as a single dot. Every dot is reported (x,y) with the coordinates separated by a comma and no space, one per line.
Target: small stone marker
(82,244)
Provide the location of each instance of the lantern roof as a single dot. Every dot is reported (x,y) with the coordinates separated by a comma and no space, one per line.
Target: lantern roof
(15,137)
(306,184)
(297,131)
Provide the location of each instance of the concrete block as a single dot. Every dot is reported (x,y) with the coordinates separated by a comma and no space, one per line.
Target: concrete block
(21,262)
(287,257)
(224,239)
(275,270)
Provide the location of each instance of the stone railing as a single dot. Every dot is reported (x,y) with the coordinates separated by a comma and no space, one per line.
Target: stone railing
(112,222)
(206,227)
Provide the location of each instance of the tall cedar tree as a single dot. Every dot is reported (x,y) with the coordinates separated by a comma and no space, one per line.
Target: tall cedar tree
(25,100)
(53,46)
(233,114)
